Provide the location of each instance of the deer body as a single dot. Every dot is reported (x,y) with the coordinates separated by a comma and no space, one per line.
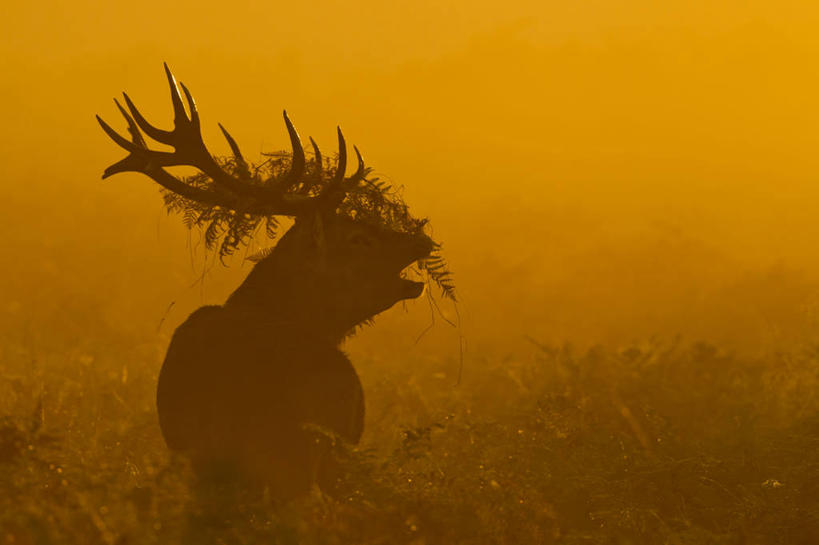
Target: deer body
(259,385)
(247,400)
(248,383)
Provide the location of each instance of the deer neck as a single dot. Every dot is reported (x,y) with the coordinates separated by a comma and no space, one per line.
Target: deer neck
(284,297)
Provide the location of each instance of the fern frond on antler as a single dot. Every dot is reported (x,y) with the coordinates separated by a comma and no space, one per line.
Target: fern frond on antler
(373,201)
(229,198)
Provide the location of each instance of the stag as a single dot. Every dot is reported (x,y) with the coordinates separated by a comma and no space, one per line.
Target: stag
(259,383)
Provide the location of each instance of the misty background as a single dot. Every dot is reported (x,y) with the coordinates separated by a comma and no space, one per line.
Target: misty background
(598,172)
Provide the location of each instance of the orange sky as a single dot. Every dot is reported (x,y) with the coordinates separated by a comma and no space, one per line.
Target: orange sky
(574,146)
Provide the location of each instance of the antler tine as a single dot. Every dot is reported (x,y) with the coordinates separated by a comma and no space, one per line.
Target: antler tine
(341,168)
(180,120)
(136,136)
(334,192)
(115,136)
(180,117)
(140,156)
(186,139)
(311,181)
(244,169)
(360,173)
(298,161)
(319,163)
(157,134)
(141,159)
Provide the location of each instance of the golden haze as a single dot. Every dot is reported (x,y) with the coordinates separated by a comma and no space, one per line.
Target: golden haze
(597,171)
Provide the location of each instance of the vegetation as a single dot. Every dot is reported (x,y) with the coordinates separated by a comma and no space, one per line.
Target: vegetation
(372,201)
(656,443)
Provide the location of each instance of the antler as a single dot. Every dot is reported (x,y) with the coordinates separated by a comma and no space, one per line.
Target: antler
(239,193)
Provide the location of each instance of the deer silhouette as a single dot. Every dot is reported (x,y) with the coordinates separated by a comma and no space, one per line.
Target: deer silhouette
(247,384)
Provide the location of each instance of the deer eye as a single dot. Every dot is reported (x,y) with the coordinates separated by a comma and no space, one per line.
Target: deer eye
(360,240)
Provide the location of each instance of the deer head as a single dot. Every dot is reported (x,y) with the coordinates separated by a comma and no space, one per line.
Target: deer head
(351,240)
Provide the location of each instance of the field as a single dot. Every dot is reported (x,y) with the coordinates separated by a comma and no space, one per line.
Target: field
(626,193)
(658,442)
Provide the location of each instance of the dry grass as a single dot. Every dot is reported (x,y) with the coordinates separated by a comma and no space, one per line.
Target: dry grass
(658,443)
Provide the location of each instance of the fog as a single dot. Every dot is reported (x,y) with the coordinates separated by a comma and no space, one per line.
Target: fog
(626,193)
(597,172)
